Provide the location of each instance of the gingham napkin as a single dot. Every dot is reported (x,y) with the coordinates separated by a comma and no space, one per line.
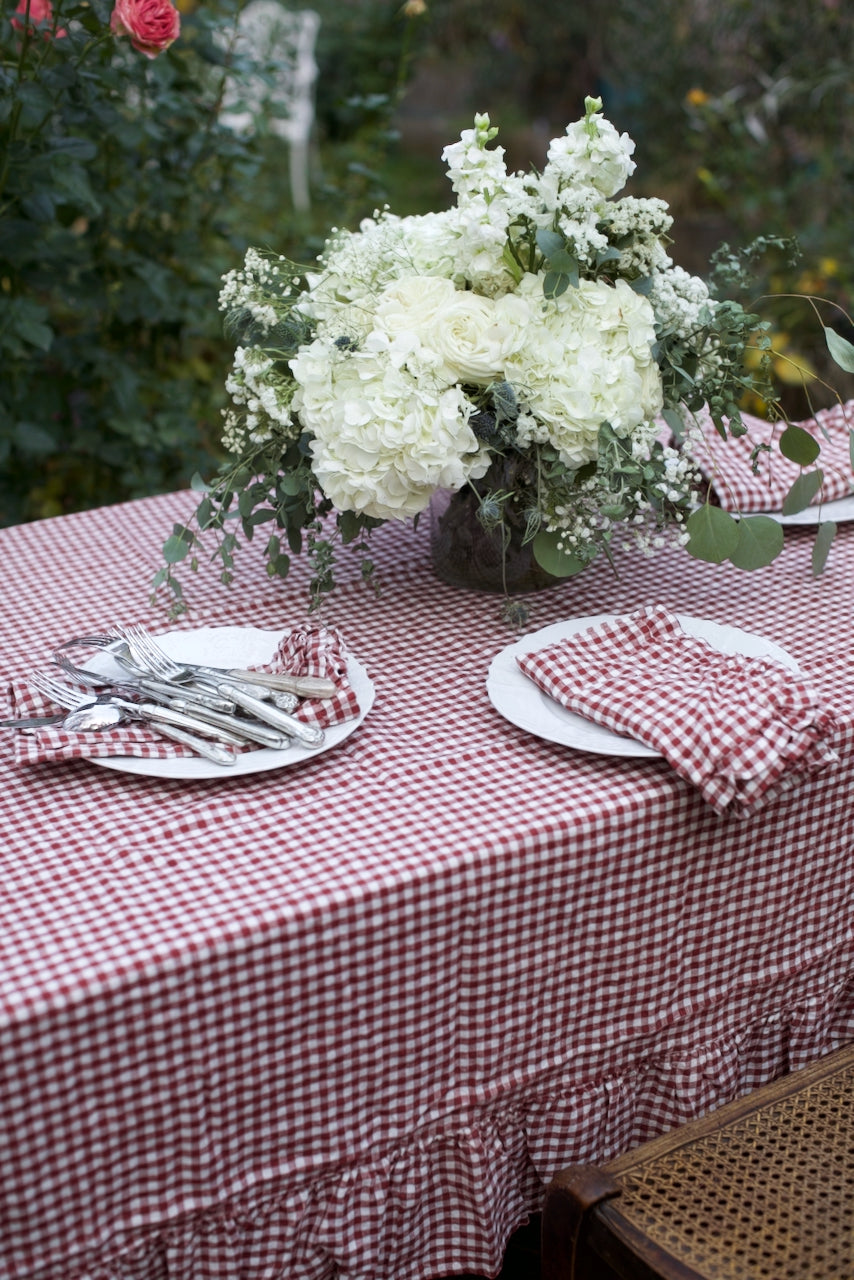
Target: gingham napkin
(316,651)
(313,651)
(742,730)
(726,463)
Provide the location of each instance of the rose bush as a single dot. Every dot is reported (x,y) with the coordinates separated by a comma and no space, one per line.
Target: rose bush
(39,11)
(151,24)
(114,175)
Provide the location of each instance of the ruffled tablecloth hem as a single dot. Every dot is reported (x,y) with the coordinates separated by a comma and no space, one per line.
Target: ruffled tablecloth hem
(448,1200)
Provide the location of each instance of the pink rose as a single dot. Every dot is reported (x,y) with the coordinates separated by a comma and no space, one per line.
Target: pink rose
(40,11)
(151,24)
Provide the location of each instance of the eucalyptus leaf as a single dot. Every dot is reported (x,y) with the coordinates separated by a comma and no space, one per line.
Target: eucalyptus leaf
(550,242)
(712,534)
(673,418)
(802,492)
(556,562)
(821,546)
(799,446)
(760,540)
(175,549)
(554,284)
(840,349)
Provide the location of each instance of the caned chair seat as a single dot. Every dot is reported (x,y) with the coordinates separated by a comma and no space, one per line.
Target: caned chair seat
(761,1189)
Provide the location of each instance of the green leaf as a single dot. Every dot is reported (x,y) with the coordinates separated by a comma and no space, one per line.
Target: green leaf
(175,549)
(350,525)
(760,540)
(566,264)
(840,349)
(821,546)
(79,148)
(554,284)
(550,242)
(799,446)
(554,561)
(35,333)
(39,206)
(802,492)
(712,534)
(673,418)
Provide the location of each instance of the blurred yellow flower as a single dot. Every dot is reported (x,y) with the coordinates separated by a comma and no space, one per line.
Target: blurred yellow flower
(414,8)
(790,367)
(696,97)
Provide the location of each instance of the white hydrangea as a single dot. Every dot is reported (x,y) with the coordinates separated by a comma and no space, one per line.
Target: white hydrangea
(591,153)
(582,360)
(384,440)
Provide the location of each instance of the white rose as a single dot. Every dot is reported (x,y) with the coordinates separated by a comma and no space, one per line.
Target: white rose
(460,327)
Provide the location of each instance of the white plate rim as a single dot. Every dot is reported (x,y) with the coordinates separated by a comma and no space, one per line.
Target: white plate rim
(840,510)
(238,647)
(515,696)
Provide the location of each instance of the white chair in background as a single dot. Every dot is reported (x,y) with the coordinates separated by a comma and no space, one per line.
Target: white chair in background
(278,95)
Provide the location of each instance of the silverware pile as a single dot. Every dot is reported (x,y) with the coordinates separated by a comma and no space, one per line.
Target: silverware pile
(209,709)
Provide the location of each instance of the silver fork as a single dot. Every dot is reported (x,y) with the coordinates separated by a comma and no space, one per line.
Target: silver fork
(159,690)
(144,647)
(191,700)
(145,651)
(162,720)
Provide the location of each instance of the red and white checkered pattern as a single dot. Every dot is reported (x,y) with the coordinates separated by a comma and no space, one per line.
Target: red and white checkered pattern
(303,651)
(344,1019)
(743,730)
(729,467)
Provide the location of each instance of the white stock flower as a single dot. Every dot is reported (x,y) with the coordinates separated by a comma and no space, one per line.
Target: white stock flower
(591,153)
(472,167)
(384,441)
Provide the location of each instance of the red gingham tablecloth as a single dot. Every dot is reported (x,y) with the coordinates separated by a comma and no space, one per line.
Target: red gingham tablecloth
(346,1018)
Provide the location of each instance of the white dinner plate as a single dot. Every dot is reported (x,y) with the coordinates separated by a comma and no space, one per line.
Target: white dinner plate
(233,647)
(516,697)
(841,510)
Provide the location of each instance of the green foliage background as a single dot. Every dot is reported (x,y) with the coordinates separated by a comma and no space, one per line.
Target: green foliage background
(122,199)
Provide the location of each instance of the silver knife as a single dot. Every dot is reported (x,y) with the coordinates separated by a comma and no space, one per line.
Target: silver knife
(308,734)
(33,722)
(155,714)
(262,734)
(215,751)
(302,686)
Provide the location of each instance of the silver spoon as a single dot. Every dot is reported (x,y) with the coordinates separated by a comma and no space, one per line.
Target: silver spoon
(105,715)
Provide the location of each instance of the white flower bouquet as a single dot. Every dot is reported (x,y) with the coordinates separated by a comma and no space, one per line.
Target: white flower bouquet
(521,346)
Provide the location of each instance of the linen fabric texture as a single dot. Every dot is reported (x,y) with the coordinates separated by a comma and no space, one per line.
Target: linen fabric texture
(742,730)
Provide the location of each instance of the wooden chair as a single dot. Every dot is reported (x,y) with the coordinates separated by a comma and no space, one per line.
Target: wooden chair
(272,88)
(761,1189)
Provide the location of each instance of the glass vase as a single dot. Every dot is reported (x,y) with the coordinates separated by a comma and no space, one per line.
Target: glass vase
(464,553)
